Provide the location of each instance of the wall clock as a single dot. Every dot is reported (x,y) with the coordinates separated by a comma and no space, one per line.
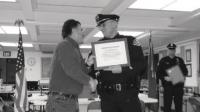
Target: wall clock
(31,61)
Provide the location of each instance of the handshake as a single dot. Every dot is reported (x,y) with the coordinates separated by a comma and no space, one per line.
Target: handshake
(93,84)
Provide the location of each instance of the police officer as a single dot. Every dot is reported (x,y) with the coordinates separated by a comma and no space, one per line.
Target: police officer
(171,91)
(118,86)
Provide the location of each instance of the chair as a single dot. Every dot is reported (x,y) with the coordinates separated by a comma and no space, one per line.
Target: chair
(195,104)
(96,105)
(4,107)
(44,85)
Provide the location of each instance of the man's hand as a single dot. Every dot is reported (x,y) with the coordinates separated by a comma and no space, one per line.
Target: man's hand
(114,69)
(90,60)
(93,84)
(167,78)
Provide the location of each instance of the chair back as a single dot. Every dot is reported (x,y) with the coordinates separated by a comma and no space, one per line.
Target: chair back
(96,105)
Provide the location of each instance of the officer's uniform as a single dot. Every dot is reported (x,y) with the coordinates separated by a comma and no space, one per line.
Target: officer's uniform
(171,91)
(119,92)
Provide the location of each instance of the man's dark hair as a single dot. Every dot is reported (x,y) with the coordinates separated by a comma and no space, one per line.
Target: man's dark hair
(68,26)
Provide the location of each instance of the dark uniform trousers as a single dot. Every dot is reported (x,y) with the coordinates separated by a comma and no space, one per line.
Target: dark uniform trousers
(59,103)
(120,102)
(170,93)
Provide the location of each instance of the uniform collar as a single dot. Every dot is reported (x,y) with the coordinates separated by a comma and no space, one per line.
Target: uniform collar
(172,58)
(107,38)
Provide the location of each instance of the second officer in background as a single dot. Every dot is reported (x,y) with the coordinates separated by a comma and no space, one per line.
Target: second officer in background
(171,91)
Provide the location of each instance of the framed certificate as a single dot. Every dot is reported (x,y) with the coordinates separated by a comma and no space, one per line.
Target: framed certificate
(188,55)
(111,52)
(176,74)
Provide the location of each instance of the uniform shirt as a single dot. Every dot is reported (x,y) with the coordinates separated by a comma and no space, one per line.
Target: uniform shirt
(129,74)
(166,63)
(68,71)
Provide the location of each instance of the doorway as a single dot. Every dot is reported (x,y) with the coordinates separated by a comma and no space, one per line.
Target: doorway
(7,70)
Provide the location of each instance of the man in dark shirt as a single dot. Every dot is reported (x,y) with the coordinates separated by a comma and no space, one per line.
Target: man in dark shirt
(68,71)
(171,90)
(118,86)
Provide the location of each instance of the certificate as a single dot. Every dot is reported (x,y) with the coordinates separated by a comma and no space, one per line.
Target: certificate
(111,52)
(176,75)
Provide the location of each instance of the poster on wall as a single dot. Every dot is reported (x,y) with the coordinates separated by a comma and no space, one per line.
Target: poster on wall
(46,64)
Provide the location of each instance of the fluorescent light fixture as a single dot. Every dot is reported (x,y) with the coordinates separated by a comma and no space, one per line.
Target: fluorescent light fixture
(174,5)
(85,46)
(14,30)
(184,5)
(128,33)
(14,44)
(7,0)
(143,35)
(1,31)
(150,4)
(132,33)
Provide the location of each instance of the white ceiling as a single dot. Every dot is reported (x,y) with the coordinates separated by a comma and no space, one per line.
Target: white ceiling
(44,19)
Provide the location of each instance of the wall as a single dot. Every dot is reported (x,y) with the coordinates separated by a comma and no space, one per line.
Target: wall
(181,51)
(33,68)
(33,71)
(32,64)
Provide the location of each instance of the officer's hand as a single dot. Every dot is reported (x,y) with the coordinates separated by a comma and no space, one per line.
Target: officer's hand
(93,84)
(90,60)
(114,69)
(167,78)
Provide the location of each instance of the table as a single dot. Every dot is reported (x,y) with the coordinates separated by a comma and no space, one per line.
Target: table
(6,89)
(185,100)
(40,100)
(143,97)
(195,102)
(7,92)
(147,100)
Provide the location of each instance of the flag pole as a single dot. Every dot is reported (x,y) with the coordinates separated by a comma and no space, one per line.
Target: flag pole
(151,73)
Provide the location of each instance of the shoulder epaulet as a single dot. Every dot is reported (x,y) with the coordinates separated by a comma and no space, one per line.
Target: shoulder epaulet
(101,39)
(136,42)
(163,59)
(132,39)
(179,59)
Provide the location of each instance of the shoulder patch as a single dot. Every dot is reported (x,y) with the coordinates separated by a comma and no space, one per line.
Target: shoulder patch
(136,42)
(178,60)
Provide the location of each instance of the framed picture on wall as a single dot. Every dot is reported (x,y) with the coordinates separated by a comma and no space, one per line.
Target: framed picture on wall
(189,68)
(188,55)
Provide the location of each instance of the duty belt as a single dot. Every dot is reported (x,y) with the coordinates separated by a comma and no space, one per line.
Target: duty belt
(116,87)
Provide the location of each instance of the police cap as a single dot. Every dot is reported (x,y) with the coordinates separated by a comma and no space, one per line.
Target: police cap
(101,18)
(171,46)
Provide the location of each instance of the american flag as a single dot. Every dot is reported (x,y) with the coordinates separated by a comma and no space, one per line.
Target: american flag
(21,90)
